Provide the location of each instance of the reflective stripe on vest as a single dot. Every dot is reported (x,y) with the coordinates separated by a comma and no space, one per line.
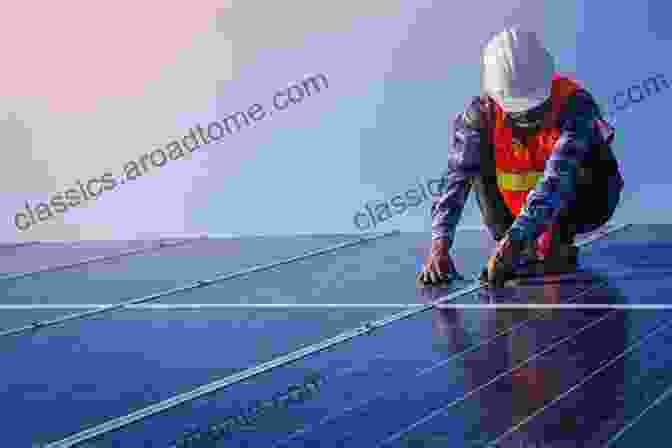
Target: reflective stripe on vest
(520,165)
(519,182)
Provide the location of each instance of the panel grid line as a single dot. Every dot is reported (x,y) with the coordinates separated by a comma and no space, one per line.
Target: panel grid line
(244,306)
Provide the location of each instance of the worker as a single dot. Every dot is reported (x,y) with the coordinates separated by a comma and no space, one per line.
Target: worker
(536,150)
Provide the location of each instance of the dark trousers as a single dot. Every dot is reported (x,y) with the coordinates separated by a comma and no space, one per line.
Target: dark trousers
(595,203)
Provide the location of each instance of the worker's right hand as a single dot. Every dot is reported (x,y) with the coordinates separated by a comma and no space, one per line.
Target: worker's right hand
(439,267)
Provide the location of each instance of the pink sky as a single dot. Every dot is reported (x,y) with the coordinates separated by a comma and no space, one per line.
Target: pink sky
(73,53)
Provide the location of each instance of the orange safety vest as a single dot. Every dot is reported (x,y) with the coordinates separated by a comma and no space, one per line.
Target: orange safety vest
(520,165)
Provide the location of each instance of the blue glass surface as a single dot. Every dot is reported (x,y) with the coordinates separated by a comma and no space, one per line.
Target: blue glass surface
(482,366)
(124,278)
(32,257)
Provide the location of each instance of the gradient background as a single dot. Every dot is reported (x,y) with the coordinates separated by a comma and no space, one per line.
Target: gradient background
(87,87)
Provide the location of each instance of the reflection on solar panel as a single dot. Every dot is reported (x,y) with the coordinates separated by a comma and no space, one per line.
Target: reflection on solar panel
(579,358)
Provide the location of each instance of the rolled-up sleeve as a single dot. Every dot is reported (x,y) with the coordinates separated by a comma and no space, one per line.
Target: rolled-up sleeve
(557,188)
(463,163)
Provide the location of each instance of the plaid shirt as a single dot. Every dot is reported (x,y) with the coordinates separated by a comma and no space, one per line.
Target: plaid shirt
(581,125)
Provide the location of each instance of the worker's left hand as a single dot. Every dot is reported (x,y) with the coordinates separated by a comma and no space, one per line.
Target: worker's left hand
(439,267)
(501,265)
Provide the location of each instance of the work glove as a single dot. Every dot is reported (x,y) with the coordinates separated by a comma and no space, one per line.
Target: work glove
(502,264)
(439,266)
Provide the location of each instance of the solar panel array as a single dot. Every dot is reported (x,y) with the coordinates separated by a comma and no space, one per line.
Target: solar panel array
(326,341)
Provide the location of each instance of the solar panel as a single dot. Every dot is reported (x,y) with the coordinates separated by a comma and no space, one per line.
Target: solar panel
(122,279)
(439,375)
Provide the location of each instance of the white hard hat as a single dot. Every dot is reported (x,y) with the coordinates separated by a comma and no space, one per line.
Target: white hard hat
(517,71)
